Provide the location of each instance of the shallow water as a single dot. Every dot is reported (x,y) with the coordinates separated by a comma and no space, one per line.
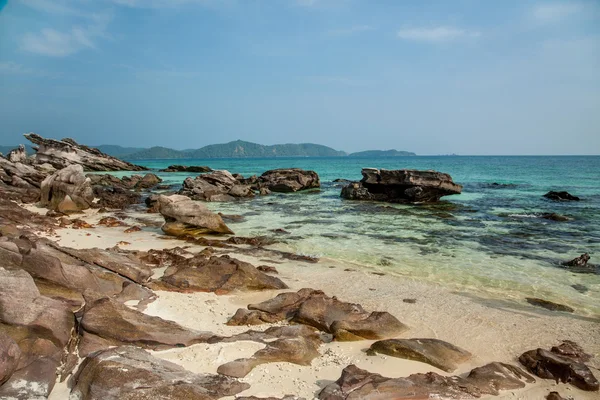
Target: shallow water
(489,240)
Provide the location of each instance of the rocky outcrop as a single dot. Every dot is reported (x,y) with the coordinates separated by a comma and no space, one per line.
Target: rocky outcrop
(401,186)
(18,155)
(19,174)
(438,353)
(9,357)
(133,182)
(345,321)
(67,190)
(356,383)
(215,186)
(216,274)
(561,196)
(65,152)
(186,168)
(287,180)
(580,265)
(130,373)
(564,363)
(185,217)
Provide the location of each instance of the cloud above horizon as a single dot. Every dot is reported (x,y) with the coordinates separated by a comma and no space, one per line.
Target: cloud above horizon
(437,34)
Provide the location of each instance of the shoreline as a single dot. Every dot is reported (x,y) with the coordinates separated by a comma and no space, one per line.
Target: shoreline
(491,329)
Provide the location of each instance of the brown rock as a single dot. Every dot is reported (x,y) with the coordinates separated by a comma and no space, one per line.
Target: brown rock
(548,305)
(111,222)
(187,217)
(9,357)
(289,180)
(217,185)
(67,190)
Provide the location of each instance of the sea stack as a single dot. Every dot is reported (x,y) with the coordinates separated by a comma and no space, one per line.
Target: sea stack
(401,186)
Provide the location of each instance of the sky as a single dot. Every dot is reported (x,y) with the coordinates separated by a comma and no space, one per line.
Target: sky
(433,77)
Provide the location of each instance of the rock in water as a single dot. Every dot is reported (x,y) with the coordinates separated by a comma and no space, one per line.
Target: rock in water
(401,186)
(215,186)
(67,190)
(184,217)
(548,305)
(65,152)
(580,264)
(130,373)
(186,168)
(289,180)
(438,353)
(561,196)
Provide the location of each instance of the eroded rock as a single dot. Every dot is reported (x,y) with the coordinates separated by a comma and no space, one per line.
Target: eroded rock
(67,190)
(184,216)
(288,180)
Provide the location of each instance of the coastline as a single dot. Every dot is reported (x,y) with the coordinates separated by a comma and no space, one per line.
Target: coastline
(492,330)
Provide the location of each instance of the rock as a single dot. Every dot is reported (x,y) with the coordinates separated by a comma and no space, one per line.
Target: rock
(561,196)
(286,397)
(9,357)
(572,350)
(288,180)
(217,274)
(66,152)
(580,288)
(580,265)
(107,322)
(18,155)
(438,353)
(115,197)
(217,185)
(267,269)
(554,396)
(186,168)
(232,217)
(356,383)
(346,321)
(134,228)
(9,171)
(548,305)
(184,216)
(130,373)
(111,222)
(148,181)
(256,241)
(401,186)
(549,365)
(554,217)
(152,203)
(67,190)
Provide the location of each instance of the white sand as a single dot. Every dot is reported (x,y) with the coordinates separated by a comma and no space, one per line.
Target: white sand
(492,329)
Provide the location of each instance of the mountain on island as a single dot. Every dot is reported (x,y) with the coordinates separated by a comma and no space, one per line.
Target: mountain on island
(382,153)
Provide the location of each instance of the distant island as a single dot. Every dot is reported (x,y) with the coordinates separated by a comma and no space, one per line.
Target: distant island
(382,153)
(235,149)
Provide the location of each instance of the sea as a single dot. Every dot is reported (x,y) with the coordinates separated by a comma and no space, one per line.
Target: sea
(490,241)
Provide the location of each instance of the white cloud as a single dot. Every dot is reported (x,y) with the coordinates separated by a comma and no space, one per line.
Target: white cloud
(351,30)
(436,35)
(51,42)
(553,12)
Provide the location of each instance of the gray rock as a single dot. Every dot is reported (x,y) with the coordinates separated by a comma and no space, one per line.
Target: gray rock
(289,180)
(67,190)
(184,216)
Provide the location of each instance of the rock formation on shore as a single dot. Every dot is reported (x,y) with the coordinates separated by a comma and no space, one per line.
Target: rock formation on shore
(186,168)
(62,153)
(401,186)
(185,217)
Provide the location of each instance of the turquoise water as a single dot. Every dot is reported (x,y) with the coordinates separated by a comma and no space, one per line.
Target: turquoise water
(488,240)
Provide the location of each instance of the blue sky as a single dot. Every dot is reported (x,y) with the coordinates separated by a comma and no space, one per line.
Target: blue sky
(434,77)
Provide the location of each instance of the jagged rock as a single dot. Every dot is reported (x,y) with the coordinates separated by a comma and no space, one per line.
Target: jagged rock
(65,152)
(115,197)
(548,305)
(561,196)
(217,185)
(111,222)
(401,186)
(186,168)
(130,373)
(268,335)
(217,274)
(107,322)
(580,264)
(561,366)
(184,216)
(18,172)
(18,155)
(356,383)
(572,350)
(41,327)
(127,182)
(289,180)
(346,321)
(9,357)
(67,190)
(438,353)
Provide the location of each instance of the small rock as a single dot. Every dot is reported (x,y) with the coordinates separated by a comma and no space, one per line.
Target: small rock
(548,305)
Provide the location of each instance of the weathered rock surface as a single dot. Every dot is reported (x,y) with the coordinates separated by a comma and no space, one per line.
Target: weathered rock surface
(67,190)
(186,168)
(19,174)
(107,322)
(217,185)
(133,182)
(18,155)
(9,357)
(438,353)
(358,384)
(561,196)
(345,321)
(130,373)
(401,186)
(216,274)
(548,305)
(184,217)
(580,265)
(65,152)
(563,363)
(289,180)
(554,396)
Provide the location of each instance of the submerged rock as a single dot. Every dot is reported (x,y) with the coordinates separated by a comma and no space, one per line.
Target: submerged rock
(67,190)
(184,216)
(554,217)
(66,152)
(186,168)
(561,196)
(548,305)
(438,353)
(401,186)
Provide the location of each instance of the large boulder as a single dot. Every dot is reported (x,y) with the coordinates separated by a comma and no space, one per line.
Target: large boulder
(186,168)
(67,190)
(401,186)
(289,180)
(217,185)
(65,152)
(130,373)
(184,217)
